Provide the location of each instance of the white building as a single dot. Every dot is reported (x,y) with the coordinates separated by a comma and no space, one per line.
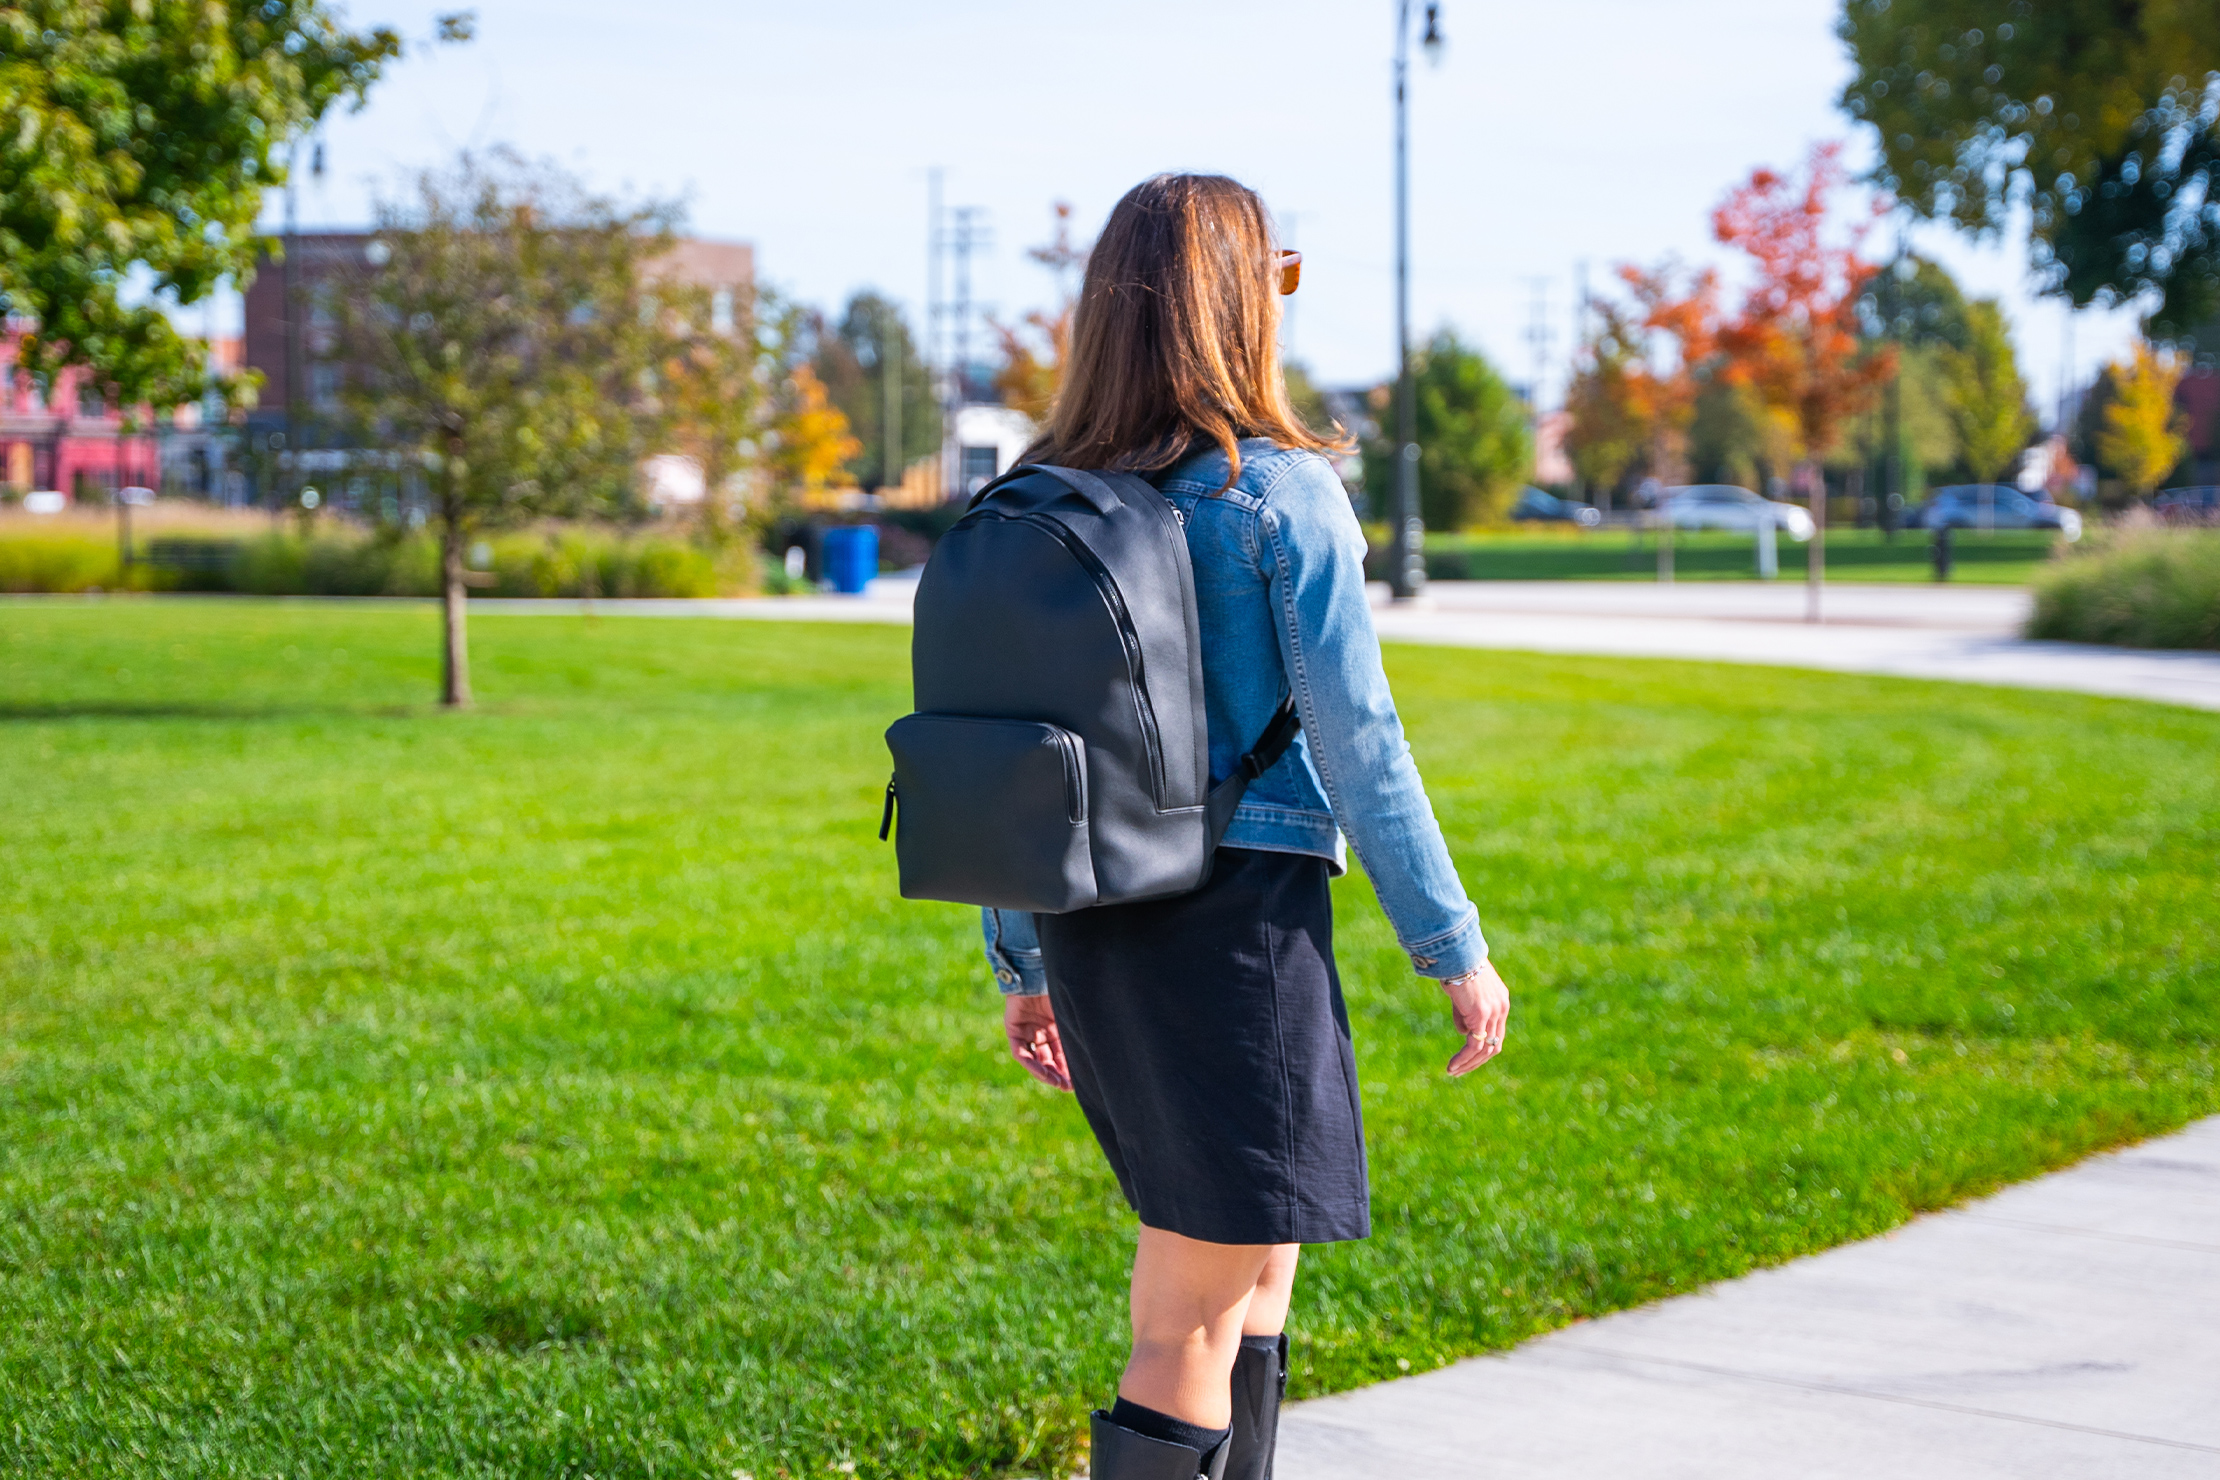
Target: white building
(987,443)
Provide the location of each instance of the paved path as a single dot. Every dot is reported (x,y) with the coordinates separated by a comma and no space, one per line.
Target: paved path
(1966,634)
(2068,1327)
(1963,633)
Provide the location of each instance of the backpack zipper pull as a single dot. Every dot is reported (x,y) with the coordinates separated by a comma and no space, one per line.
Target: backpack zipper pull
(886,818)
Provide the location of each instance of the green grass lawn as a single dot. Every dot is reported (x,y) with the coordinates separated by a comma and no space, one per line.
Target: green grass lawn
(561,1090)
(1998,557)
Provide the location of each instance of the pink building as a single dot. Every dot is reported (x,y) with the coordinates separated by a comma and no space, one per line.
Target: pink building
(65,436)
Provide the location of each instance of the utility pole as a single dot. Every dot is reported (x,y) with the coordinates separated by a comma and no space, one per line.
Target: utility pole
(1538,337)
(890,378)
(1572,357)
(969,236)
(935,377)
(1892,502)
(288,282)
(1580,305)
(1407,562)
(2066,377)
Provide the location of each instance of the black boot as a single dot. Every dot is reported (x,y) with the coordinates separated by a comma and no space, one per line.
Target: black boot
(1121,1454)
(1259,1382)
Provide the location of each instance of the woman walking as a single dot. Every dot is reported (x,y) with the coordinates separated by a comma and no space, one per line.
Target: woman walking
(1204,1034)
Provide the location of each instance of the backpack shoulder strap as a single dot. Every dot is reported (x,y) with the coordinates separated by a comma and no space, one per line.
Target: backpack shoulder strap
(1279,733)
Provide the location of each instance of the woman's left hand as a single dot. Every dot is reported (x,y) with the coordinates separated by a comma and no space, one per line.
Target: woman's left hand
(1481,1004)
(1030,1025)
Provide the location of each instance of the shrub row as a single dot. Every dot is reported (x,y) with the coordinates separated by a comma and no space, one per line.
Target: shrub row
(2153,588)
(555,561)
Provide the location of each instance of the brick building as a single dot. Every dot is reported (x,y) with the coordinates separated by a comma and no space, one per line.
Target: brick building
(302,376)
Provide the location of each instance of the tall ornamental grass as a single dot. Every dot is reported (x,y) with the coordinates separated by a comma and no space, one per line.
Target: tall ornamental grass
(58,560)
(2149,588)
(562,560)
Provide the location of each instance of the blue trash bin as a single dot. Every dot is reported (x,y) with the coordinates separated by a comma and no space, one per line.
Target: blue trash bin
(851,555)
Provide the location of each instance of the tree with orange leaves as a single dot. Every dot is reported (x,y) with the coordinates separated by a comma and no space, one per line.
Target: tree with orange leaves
(810,439)
(1795,336)
(1791,341)
(1625,414)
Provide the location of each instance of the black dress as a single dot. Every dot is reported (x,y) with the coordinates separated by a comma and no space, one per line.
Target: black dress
(1210,1051)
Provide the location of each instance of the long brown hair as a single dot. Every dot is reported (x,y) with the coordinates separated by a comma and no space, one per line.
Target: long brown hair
(1175,343)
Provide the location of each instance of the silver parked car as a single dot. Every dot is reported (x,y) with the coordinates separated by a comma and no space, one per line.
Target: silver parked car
(1724,506)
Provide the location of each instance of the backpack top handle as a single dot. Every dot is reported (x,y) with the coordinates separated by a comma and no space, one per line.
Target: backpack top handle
(1096,491)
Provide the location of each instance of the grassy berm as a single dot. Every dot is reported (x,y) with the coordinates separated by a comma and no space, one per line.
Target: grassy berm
(560,1090)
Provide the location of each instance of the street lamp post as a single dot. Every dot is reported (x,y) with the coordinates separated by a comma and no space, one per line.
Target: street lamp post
(1407,562)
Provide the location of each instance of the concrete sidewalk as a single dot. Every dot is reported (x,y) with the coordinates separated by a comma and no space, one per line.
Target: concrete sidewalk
(2066,1327)
(1960,633)
(1964,634)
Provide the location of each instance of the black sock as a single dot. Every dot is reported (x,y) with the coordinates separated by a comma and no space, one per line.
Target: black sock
(1127,1414)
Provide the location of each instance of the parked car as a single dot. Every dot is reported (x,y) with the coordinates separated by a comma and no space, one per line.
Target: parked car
(2189,505)
(1535,505)
(1724,506)
(1991,506)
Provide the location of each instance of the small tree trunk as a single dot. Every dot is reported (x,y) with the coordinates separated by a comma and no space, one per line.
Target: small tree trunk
(1815,564)
(454,667)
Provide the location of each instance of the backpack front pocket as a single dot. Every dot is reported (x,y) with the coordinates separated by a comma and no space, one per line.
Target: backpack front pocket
(992,812)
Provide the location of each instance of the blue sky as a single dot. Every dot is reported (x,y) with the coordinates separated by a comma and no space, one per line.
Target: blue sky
(1587,130)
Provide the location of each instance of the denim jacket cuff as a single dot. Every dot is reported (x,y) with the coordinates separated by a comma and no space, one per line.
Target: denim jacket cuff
(1020,974)
(1018,970)
(1454,954)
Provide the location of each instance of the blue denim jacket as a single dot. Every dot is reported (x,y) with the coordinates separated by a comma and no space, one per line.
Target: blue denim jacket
(1279,583)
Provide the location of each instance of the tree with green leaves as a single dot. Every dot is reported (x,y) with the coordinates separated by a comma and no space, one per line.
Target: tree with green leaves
(853,363)
(1475,438)
(1919,309)
(139,141)
(1917,304)
(1735,437)
(1985,394)
(503,333)
(1308,400)
(2101,116)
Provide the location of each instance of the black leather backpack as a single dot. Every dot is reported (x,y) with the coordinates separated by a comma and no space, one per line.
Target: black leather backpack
(1059,757)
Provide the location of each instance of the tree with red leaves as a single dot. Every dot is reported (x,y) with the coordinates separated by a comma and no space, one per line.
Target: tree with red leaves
(1791,339)
(1795,337)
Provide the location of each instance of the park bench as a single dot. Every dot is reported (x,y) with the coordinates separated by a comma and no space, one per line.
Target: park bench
(175,552)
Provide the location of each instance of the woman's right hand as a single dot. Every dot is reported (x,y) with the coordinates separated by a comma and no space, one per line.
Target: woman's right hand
(1481,1004)
(1030,1024)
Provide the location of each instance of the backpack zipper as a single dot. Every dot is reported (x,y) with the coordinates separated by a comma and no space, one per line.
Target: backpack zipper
(1128,635)
(1075,784)
(886,818)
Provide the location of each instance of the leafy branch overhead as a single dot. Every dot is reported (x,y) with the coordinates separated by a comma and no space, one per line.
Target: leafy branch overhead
(143,136)
(2101,117)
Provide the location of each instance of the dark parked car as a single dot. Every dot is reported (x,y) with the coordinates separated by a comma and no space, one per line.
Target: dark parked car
(1535,505)
(2189,505)
(1991,506)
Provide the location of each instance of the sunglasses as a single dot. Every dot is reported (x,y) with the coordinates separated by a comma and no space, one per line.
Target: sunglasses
(1291,272)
